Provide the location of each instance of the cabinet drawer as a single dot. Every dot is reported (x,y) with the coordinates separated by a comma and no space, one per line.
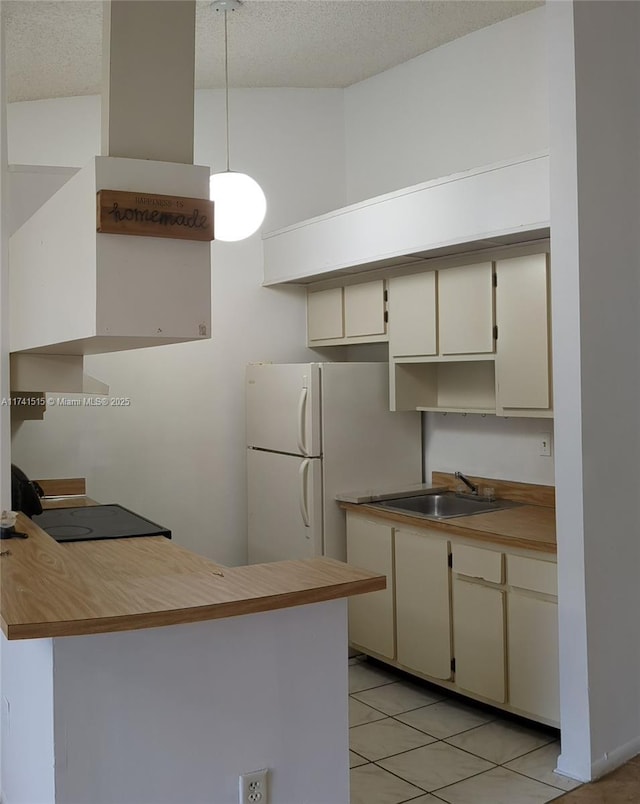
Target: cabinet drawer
(530,573)
(477,563)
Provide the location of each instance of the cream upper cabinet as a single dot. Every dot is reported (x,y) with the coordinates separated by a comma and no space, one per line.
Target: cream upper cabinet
(413,320)
(371,618)
(465,309)
(441,340)
(364,308)
(423,622)
(472,339)
(347,314)
(325,319)
(522,359)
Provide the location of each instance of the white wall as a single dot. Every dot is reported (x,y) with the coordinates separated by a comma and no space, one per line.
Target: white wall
(176,714)
(595,208)
(29,187)
(168,715)
(26,709)
(179,447)
(477,100)
(489,446)
(5,482)
(61,131)
(176,454)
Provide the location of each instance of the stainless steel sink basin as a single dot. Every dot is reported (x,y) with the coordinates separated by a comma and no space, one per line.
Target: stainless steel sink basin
(443,505)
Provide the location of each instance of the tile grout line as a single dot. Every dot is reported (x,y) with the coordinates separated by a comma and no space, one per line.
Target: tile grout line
(476,756)
(435,740)
(533,779)
(455,734)
(498,764)
(402,779)
(443,787)
(473,775)
(386,714)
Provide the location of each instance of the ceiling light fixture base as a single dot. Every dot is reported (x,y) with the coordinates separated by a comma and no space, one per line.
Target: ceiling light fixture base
(226,5)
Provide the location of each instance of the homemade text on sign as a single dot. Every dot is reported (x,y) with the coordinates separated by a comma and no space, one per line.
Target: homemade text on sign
(154,215)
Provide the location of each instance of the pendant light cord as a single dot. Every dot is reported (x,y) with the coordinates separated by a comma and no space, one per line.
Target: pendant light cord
(226,84)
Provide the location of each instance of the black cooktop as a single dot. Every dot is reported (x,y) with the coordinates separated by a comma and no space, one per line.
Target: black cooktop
(96,522)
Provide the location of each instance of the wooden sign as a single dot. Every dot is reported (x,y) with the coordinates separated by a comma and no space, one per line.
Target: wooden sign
(154,215)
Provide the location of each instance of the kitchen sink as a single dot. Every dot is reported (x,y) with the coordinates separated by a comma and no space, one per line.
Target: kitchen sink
(443,505)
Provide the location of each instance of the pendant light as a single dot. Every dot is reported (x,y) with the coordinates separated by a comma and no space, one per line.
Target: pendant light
(239,203)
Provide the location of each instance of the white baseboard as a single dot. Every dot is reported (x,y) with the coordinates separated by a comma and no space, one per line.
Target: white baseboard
(604,764)
(615,758)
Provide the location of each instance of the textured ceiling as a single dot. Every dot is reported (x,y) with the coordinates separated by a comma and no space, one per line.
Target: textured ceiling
(53,49)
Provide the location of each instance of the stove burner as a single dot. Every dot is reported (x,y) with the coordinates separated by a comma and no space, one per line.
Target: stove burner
(98,522)
(68,531)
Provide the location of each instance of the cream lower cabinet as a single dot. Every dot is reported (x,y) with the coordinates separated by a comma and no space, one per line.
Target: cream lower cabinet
(371,617)
(479,639)
(423,623)
(532,637)
(479,621)
(486,626)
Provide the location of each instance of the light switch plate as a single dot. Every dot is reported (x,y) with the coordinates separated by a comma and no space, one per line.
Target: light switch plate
(544,444)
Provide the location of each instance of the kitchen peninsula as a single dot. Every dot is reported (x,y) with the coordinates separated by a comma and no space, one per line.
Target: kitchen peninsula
(106,701)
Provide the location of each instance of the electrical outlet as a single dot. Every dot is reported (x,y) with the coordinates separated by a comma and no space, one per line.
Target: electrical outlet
(253,787)
(544,444)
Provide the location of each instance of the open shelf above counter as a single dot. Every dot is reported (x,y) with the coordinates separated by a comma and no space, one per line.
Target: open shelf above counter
(457,386)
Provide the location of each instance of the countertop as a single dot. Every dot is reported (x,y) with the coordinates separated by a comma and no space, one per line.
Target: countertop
(530,526)
(51,590)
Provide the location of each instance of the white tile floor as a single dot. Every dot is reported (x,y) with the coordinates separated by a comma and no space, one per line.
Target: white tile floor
(411,742)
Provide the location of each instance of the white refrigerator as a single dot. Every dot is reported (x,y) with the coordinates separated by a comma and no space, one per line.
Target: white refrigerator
(314,430)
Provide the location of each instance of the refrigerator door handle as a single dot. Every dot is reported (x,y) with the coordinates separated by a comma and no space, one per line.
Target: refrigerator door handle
(304,509)
(302,409)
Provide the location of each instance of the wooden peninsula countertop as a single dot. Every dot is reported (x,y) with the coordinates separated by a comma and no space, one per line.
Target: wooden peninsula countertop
(52,590)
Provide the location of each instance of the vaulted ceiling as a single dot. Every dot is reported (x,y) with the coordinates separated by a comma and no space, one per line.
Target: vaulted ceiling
(53,48)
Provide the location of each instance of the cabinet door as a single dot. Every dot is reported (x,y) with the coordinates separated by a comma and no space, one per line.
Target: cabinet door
(522,353)
(533,655)
(364,309)
(324,315)
(423,620)
(465,309)
(412,315)
(370,546)
(478,639)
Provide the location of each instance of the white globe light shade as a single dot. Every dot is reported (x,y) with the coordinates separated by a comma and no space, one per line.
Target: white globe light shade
(239,205)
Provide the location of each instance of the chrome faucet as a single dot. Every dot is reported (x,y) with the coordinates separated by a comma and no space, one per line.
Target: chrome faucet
(467,482)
